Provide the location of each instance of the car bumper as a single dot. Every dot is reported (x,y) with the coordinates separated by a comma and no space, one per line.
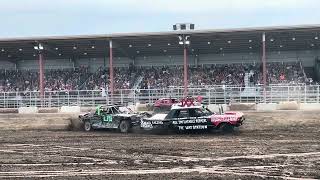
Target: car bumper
(240,122)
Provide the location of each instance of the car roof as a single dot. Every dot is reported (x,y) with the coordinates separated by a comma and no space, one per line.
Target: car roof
(185,107)
(168,98)
(110,106)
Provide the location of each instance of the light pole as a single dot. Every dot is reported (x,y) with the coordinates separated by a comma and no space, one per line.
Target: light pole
(184,40)
(39,48)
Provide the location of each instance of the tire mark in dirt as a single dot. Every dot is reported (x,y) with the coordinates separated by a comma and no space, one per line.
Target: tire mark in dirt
(186,159)
(70,173)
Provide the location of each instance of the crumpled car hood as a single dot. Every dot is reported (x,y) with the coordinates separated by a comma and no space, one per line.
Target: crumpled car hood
(157,117)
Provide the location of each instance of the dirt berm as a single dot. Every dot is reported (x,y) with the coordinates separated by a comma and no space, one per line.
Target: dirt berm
(43,121)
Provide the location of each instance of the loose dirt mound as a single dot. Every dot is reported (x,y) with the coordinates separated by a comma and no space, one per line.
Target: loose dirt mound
(242,107)
(281,119)
(48,110)
(8,110)
(49,121)
(289,105)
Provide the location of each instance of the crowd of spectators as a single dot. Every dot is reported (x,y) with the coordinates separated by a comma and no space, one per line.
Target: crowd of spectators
(152,77)
(11,80)
(286,73)
(66,79)
(124,78)
(160,77)
(55,80)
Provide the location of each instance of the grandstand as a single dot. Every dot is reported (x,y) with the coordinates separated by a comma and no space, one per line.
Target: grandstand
(223,65)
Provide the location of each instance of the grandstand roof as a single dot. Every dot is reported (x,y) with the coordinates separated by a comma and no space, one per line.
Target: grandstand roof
(246,40)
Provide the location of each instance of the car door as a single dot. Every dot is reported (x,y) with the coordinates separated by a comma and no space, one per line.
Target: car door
(108,116)
(179,118)
(199,119)
(115,117)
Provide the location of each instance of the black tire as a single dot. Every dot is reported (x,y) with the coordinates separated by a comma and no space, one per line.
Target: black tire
(124,126)
(227,128)
(87,126)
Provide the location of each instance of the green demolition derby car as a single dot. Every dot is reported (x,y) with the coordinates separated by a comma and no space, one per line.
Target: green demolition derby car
(109,117)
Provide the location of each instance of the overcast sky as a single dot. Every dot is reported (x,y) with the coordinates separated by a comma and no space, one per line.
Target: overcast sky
(23,18)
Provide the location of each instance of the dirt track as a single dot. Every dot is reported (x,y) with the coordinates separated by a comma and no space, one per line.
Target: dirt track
(269,145)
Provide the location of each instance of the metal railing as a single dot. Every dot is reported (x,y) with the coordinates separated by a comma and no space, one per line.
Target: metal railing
(211,95)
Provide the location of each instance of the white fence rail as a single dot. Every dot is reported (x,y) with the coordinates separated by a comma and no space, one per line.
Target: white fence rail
(212,95)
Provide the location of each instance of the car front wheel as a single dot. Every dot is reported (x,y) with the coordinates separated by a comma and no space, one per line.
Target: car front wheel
(227,128)
(124,126)
(87,126)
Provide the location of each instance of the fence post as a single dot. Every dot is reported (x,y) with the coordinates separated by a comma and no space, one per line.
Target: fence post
(107,97)
(209,95)
(121,97)
(58,95)
(92,98)
(271,94)
(68,99)
(4,100)
(149,96)
(78,98)
(50,97)
(299,91)
(224,95)
(134,97)
(240,95)
(30,103)
(318,94)
(305,94)
(288,94)
(35,98)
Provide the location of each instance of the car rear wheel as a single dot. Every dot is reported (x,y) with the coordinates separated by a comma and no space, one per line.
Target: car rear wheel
(124,126)
(87,126)
(227,127)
